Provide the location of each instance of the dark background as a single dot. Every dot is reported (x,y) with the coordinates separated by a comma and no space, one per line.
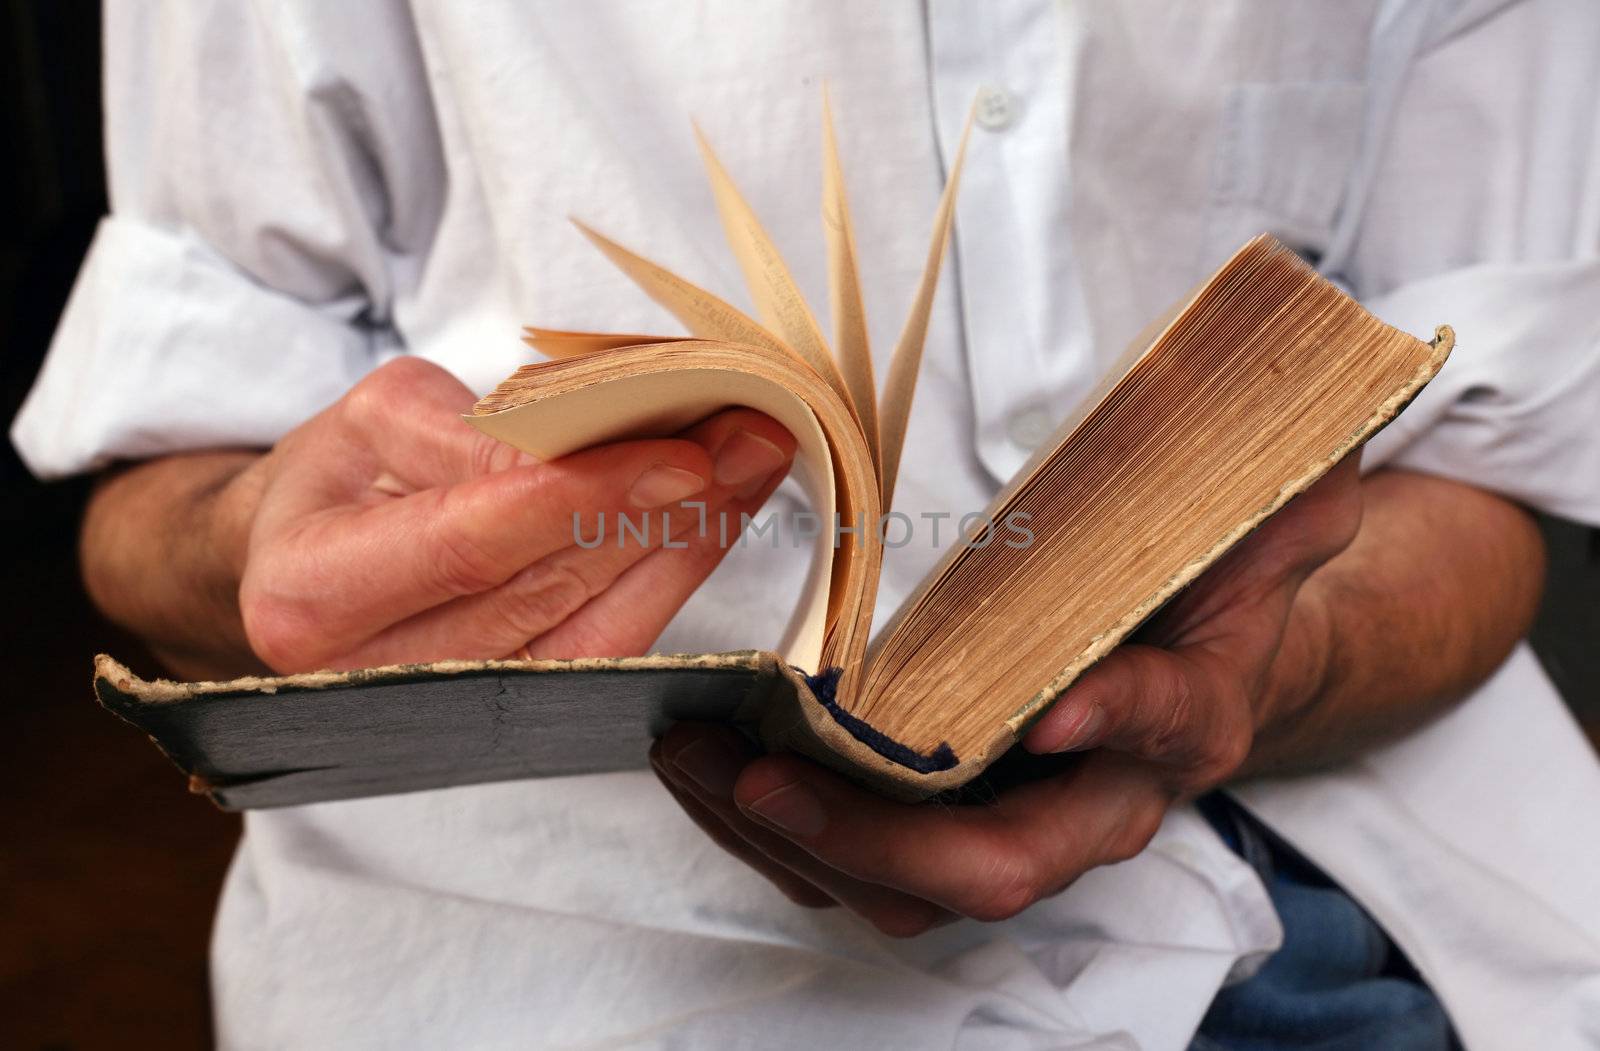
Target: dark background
(108,870)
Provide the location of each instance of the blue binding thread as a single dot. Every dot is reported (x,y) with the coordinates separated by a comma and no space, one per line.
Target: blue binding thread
(825,685)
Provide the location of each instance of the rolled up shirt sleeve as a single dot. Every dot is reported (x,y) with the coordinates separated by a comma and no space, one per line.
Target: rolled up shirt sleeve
(1484,213)
(274,178)
(1516,409)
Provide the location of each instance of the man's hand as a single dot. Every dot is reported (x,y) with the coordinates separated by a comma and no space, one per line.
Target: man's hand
(1244,655)
(385,530)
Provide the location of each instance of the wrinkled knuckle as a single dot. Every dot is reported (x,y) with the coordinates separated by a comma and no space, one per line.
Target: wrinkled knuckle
(541,597)
(1223,755)
(1172,732)
(486,455)
(461,566)
(589,637)
(1014,882)
(481,455)
(1003,903)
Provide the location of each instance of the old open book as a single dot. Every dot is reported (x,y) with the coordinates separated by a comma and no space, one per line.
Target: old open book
(1247,391)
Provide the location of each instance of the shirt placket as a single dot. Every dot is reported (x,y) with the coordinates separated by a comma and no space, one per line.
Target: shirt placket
(1024,331)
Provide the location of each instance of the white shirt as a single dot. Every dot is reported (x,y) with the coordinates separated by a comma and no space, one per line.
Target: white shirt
(302,190)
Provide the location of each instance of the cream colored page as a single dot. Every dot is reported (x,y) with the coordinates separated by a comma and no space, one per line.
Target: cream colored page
(895,410)
(701,312)
(776,296)
(850,341)
(665,402)
(1146,341)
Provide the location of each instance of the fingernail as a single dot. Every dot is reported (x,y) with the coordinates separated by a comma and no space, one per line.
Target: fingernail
(793,808)
(745,457)
(709,765)
(1082,728)
(664,485)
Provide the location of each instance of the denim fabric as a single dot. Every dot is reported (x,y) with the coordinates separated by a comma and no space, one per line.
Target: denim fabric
(1338,984)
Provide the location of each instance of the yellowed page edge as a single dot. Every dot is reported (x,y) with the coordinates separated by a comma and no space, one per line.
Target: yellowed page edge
(702,313)
(1440,347)
(559,345)
(1135,352)
(778,300)
(850,341)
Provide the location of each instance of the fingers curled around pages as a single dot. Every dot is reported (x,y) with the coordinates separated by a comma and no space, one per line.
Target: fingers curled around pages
(987,862)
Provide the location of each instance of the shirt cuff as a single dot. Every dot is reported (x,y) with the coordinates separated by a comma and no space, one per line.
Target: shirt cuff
(1514,410)
(166,347)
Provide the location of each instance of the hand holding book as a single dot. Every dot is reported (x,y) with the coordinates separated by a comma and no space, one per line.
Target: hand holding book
(1249,390)
(383,531)
(1163,718)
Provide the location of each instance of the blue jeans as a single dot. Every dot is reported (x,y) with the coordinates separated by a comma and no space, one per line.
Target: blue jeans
(1338,984)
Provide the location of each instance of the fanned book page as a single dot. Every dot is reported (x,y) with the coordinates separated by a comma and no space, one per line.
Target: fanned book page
(1240,397)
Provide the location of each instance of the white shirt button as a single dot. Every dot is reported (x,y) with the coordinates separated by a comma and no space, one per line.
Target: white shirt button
(998,109)
(1029,428)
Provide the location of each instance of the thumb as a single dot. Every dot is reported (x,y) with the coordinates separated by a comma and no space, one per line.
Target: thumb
(1172,707)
